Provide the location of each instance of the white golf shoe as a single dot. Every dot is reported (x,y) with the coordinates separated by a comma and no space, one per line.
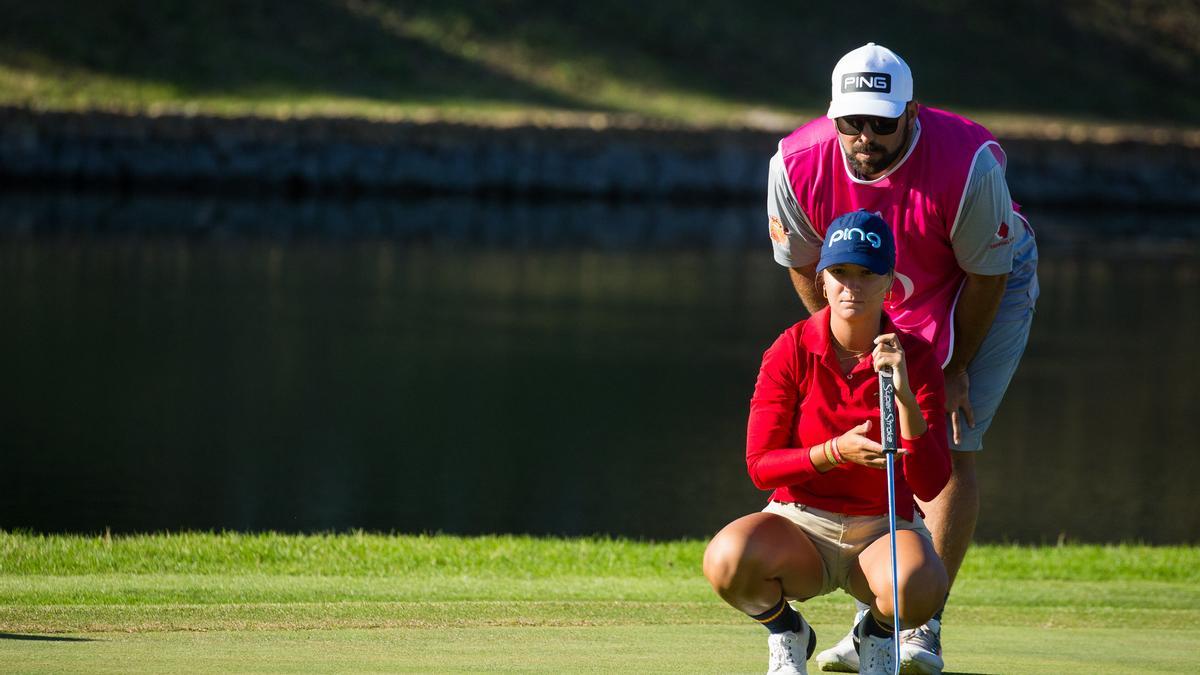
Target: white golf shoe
(843,657)
(921,649)
(876,655)
(790,651)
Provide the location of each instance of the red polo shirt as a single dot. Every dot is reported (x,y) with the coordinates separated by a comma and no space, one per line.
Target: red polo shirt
(802,399)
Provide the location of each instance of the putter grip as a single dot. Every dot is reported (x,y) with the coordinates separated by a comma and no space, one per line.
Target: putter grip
(887,411)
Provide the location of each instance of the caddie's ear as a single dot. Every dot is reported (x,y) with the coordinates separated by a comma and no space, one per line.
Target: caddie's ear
(912,108)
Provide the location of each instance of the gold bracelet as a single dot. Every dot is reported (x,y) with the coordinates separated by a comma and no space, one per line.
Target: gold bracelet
(828,457)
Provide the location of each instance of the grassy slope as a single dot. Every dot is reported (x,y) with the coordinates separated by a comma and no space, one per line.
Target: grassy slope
(368,602)
(700,62)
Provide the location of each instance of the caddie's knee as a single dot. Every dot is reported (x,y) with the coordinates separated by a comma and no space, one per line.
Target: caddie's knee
(963,468)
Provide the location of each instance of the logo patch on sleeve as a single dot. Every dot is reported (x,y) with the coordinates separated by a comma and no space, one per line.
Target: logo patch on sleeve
(1002,237)
(778,231)
(880,83)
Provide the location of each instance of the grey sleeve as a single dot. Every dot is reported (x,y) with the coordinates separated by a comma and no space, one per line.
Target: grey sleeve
(792,236)
(983,235)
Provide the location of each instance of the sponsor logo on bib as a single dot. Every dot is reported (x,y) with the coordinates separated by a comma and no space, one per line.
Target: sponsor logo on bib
(905,291)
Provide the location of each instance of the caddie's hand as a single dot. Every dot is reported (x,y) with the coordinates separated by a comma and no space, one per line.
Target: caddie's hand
(958,403)
(889,353)
(854,446)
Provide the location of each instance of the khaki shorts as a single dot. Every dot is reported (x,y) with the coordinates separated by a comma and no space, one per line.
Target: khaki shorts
(840,538)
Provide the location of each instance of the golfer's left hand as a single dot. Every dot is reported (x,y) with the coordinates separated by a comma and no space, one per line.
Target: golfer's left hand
(888,352)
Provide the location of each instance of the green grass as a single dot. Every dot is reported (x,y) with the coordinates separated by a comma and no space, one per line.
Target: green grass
(361,554)
(201,602)
(701,62)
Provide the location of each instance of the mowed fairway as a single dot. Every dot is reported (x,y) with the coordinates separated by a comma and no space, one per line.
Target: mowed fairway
(374,603)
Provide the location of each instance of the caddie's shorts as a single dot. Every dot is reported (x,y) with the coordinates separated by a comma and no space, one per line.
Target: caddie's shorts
(840,538)
(989,374)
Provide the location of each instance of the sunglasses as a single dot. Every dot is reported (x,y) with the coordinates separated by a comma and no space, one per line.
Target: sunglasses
(881,126)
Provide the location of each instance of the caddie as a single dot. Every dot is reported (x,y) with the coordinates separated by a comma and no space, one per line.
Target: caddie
(965,275)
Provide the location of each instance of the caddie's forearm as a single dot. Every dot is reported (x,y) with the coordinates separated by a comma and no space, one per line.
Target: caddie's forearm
(803,281)
(973,316)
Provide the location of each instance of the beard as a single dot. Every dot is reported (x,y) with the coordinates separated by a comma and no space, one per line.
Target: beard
(871,167)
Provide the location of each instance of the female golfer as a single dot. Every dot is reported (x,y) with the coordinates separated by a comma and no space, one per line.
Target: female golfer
(813,437)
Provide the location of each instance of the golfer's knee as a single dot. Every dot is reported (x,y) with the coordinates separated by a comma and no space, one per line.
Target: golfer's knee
(921,594)
(729,562)
(725,562)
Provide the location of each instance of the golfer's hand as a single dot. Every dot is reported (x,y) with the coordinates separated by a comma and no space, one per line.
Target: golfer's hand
(889,353)
(958,403)
(856,447)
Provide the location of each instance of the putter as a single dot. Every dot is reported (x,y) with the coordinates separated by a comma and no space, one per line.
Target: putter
(887,434)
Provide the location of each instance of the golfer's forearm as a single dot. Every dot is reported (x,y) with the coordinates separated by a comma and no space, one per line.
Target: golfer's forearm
(802,280)
(780,467)
(927,462)
(973,316)
(912,422)
(927,470)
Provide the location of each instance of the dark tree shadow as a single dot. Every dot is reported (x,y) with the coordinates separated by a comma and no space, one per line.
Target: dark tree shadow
(1020,55)
(253,49)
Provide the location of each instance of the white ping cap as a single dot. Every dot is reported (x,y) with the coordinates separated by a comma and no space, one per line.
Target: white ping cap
(870,80)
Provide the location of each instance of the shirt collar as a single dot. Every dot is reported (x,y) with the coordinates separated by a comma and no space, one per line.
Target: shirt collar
(817,337)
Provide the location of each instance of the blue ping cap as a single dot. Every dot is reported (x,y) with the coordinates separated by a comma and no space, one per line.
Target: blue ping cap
(859,238)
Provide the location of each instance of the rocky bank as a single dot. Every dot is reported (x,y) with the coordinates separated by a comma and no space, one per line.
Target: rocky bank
(358,156)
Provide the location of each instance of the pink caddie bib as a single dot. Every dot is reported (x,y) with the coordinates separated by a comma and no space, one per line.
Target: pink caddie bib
(921,198)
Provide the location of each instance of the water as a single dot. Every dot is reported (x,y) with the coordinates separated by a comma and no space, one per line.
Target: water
(562,368)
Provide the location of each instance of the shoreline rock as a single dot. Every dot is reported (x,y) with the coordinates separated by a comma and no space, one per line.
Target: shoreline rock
(327,155)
